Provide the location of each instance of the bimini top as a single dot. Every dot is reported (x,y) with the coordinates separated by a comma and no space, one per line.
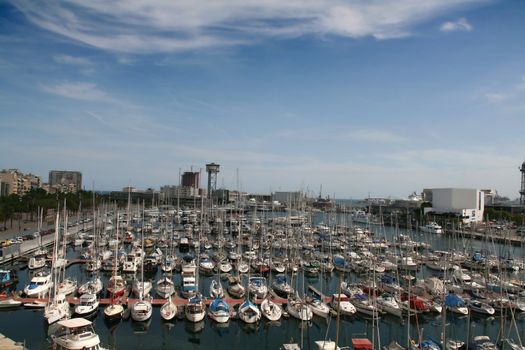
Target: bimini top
(74,322)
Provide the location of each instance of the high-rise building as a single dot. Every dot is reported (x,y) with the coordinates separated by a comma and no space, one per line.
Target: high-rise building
(13,181)
(190,179)
(65,181)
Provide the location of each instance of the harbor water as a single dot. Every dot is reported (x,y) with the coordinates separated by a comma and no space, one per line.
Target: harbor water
(30,326)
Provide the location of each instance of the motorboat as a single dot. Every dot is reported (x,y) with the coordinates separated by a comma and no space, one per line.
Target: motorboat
(195,309)
(7,279)
(76,334)
(206,265)
(271,310)
(188,277)
(219,311)
(319,307)
(326,345)
(9,303)
(387,303)
(248,312)
(87,306)
(39,285)
(432,227)
(141,310)
(38,260)
(342,303)
(480,307)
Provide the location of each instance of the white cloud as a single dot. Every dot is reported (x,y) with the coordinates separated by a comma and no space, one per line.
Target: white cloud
(78,90)
(513,92)
(338,133)
(496,97)
(460,25)
(72,60)
(135,26)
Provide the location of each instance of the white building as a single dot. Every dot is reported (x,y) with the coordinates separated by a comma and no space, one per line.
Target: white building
(465,202)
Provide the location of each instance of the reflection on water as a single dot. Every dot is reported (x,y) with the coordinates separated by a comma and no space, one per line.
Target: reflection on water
(194,327)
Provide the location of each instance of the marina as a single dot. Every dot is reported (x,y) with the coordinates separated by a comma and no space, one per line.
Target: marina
(371,282)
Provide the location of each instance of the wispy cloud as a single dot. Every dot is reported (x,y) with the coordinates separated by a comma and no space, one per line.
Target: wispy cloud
(169,26)
(515,91)
(73,60)
(338,133)
(78,91)
(459,25)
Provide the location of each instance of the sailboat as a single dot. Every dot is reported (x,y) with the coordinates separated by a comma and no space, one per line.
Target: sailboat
(57,307)
(38,260)
(271,310)
(249,312)
(165,287)
(88,305)
(113,310)
(168,310)
(142,309)
(216,290)
(219,310)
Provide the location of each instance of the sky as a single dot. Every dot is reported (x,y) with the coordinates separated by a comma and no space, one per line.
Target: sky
(372,97)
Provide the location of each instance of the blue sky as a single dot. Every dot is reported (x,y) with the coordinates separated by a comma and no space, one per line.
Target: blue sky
(360,97)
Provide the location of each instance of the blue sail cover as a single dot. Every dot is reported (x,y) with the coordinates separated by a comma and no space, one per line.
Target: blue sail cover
(219,305)
(387,279)
(339,260)
(453,300)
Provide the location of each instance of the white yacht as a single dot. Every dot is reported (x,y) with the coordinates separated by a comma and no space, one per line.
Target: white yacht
(319,307)
(76,334)
(431,227)
(141,310)
(88,305)
(195,309)
(39,285)
(38,260)
(388,304)
(342,302)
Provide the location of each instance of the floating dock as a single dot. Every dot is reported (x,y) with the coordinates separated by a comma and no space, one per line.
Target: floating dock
(9,344)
